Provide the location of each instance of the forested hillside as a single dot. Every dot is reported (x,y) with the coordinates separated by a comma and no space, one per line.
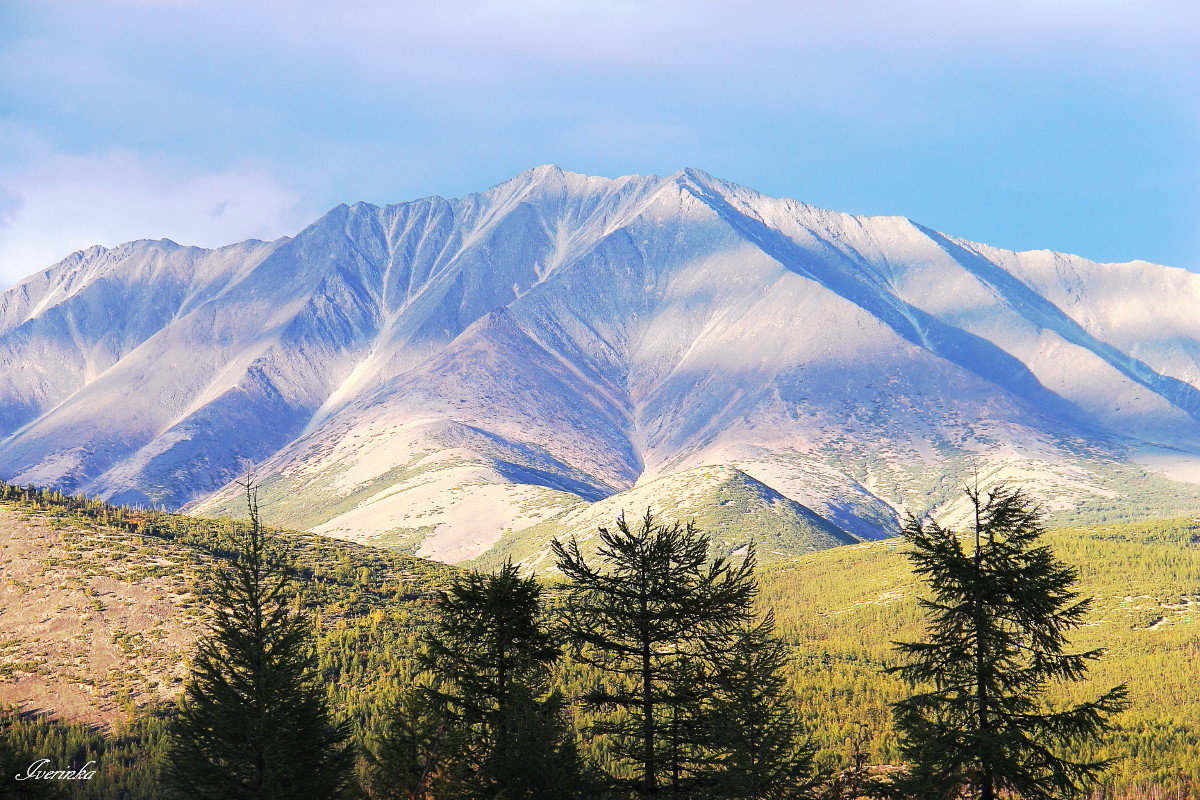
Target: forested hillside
(141,576)
(842,609)
(118,658)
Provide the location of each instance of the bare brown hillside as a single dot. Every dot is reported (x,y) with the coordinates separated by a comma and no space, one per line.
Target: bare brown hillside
(93,622)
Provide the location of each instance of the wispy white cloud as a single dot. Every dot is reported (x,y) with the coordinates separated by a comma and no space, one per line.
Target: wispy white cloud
(1025,123)
(497,39)
(53,203)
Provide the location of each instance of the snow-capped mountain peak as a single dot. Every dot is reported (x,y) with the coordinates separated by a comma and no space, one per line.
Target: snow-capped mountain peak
(468,376)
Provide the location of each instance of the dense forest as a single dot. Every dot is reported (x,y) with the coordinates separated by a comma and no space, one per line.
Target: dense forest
(777,681)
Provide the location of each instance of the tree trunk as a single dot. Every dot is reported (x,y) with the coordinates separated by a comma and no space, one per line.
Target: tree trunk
(649,778)
(987,790)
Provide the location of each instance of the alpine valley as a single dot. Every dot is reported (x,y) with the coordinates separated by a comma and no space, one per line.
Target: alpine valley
(466,379)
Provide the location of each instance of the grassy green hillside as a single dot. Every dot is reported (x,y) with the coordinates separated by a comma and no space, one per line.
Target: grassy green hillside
(726,503)
(842,608)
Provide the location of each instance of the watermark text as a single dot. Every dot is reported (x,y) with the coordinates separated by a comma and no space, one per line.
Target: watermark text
(41,771)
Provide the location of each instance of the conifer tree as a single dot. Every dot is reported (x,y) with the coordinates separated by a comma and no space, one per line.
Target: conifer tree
(254,722)
(1001,608)
(762,752)
(639,617)
(490,652)
(14,762)
(536,757)
(405,762)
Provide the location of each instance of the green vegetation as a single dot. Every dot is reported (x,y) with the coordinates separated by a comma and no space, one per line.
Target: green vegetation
(999,609)
(489,652)
(644,616)
(401,761)
(732,508)
(1135,495)
(125,757)
(254,720)
(762,750)
(678,691)
(839,610)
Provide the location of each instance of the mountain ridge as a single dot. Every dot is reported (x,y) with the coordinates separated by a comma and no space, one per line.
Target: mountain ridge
(562,338)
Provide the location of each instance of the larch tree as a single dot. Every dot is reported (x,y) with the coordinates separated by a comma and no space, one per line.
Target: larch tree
(490,650)
(761,747)
(405,760)
(637,613)
(1001,609)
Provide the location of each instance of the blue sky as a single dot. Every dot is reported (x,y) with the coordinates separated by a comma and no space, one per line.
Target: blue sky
(1065,124)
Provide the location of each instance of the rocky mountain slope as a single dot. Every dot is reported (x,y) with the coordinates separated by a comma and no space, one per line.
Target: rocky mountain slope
(464,377)
(93,623)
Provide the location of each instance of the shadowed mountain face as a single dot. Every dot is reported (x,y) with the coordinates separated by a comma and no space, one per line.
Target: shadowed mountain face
(473,376)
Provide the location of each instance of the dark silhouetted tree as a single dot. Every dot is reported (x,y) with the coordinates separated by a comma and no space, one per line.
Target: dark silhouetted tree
(490,651)
(405,761)
(999,615)
(640,614)
(254,722)
(761,750)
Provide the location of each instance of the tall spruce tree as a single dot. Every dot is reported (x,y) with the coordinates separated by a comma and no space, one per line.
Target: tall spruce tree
(760,745)
(639,615)
(490,651)
(1001,608)
(406,760)
(254,723)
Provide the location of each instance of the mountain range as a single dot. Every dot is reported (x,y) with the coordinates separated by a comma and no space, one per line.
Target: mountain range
(465,379)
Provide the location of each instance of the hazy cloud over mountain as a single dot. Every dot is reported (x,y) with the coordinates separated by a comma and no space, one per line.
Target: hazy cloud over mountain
(1067,125)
